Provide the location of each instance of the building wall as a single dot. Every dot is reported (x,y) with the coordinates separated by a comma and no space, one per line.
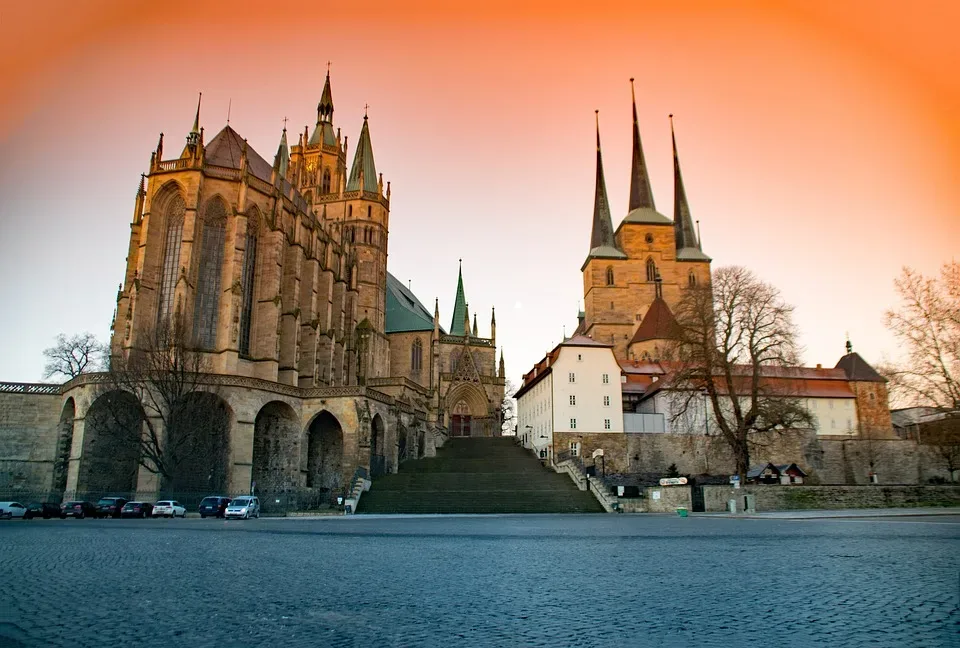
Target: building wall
(28,442)
(535,414)
(589,366)
(792,498)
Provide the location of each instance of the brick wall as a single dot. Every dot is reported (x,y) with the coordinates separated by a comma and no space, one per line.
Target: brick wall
(790,498)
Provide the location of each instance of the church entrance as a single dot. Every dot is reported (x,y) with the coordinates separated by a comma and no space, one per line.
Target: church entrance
(460,420)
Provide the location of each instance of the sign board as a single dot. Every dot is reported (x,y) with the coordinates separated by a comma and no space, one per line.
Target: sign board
(598,453)
(673,481)
(656,495)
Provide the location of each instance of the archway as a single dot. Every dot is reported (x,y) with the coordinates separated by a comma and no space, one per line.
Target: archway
(325,454)
(460,419)
(467,410)
(197,447)
(61,463)
(378,437)
(111,446)
(275,448)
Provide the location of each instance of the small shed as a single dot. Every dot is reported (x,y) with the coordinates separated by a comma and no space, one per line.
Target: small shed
(770,473)
(791,473)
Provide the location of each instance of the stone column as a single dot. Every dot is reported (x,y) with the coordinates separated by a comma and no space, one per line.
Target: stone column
(241,458)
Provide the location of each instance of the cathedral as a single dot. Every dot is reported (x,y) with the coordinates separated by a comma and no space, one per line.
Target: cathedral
(633,275)
(323,364)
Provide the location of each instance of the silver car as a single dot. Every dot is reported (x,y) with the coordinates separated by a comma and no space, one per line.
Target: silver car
(16,510)
(243,508)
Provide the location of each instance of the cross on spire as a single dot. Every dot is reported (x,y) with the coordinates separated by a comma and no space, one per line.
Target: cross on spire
(284,123)
(366,107)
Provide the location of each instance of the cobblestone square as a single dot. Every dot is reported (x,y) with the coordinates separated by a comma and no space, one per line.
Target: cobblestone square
(537,580)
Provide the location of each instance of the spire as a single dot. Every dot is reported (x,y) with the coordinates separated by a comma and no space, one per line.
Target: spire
(363,174)
(493,323)
(459,307)
(325,107)
(193,138)
(436,318)
(282,160)
(475,329)
(682,222)
(602,242)
(501,374)
(641,196)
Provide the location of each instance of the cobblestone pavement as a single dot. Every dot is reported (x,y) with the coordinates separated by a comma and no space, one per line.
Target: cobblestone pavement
(481,581)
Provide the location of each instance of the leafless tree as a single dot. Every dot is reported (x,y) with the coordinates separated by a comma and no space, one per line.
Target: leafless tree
(74,355)
(737,343)
(181,427)
(927,325)
(508,409)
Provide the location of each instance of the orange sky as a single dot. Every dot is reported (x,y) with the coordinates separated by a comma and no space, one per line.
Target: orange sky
(820,142)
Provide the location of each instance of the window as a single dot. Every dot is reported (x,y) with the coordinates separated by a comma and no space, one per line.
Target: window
(574,448)
(692,279)
(648,238)
(416,356)
(638,317)
(325,187)
(609,275)
(246,282)
(350,211)
(611,305)
(606,379)
(207,307)
(573,424)
(369,211)
(606,401)
(573,399)
(651,270)
(573,377)
(606,424)
(579,357)
(171,258)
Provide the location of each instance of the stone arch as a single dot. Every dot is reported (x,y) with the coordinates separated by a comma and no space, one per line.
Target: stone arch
(61,463)
(197,443)
(465,404)
(110,457)
(276,431)
(378,443)
(325,183)
(324,454)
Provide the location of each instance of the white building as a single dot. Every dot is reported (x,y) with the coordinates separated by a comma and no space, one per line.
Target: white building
(574,388)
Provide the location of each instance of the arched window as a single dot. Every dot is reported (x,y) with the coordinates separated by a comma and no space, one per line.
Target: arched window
(416,356)
(325,187)
(651,270)
(369,211)
(170,263)
(349,211)
(692,279)
(247,279)
(609,275)
(207,307)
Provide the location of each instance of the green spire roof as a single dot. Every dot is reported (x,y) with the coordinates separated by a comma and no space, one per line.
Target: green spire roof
(282,160)
(459,308)
(641,195)
(363,159)
(323,132)
(602,242)
(688,247)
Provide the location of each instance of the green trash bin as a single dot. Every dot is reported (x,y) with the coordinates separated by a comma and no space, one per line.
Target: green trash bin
(682,511)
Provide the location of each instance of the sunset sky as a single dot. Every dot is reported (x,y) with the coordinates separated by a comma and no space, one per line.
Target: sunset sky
(819,141)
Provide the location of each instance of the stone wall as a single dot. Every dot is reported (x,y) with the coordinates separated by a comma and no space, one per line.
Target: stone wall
(28,442)
(790,498)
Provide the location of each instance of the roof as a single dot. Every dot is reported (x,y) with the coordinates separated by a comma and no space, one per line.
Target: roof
(323,132)
(459,308)
(602,242)
(583,341)
(226,149)
(647,216)
(773,385)
(405,313)
(691,254)
(658,324)
(641,195)
(363,160)
(686,237)
(856,368)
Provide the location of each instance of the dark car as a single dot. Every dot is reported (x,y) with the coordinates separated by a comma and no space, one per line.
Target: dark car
(46,510)
(110,507)
(214,506)
(136,510)
(78,510)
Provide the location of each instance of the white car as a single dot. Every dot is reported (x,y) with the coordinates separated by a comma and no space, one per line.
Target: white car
(243,508)
(12,510)
(169,508)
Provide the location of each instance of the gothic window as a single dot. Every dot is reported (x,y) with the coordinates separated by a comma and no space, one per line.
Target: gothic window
(350,211)
(416,356)
(170,259)
(692,279)
(206,309)
(651,270)
(369,211)
(454,358)
(609,275)
(246,284)
(325,187)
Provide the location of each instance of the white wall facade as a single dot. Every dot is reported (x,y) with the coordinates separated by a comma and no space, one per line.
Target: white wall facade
(535,415)
(586,384)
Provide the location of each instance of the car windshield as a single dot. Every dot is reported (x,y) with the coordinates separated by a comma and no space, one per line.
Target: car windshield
(210,501)
(130,505)
(240,502)
(163,503)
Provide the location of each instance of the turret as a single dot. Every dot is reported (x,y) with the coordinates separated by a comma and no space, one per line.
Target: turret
(493,324)
(501,373)
(193,137)
(475,330)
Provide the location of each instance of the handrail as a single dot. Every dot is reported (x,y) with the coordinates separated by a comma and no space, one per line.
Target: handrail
(30,388)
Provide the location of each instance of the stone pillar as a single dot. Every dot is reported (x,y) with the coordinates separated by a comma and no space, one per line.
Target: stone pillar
(148,483)
(241,458)
(76,455)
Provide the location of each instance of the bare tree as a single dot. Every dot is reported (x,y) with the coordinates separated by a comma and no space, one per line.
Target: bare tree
(736,345)
(508,409)
(927,325)
(180,427)
(74,355)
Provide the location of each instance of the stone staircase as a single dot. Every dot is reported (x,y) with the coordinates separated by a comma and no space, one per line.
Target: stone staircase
(477,475)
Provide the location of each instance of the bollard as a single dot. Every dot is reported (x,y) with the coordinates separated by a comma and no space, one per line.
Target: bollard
(732,506)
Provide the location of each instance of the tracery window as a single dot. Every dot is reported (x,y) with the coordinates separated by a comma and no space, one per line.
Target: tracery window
(416,356)
(170,259)
(609,275)
(206,309)
(246,283)
(651,270)
(692,279)
(325,187)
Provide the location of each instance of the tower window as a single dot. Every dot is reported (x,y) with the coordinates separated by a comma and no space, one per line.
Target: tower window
(325,187)
(369,211)
(349,211)
(573,399)
(610,275)
(648,238)
(692,279)
(651,270)
(606,401)
(416,356)
(606,379)
(573,424)
(572,377)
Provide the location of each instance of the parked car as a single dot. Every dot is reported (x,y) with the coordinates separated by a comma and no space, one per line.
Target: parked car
(46,510)
(11,510)
(214,506)
(136,510)
(169,508)
(110,506)
(78,510)
(243,508)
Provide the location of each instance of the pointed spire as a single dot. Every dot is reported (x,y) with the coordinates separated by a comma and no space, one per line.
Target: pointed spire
(641,195)
(282,160)
(363,174)
(493,324)
(325,107)
(602,241)
(459,306)
(682,222)
(436,318)
(193,138)
(475,329)
(501,373)
(159,150)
